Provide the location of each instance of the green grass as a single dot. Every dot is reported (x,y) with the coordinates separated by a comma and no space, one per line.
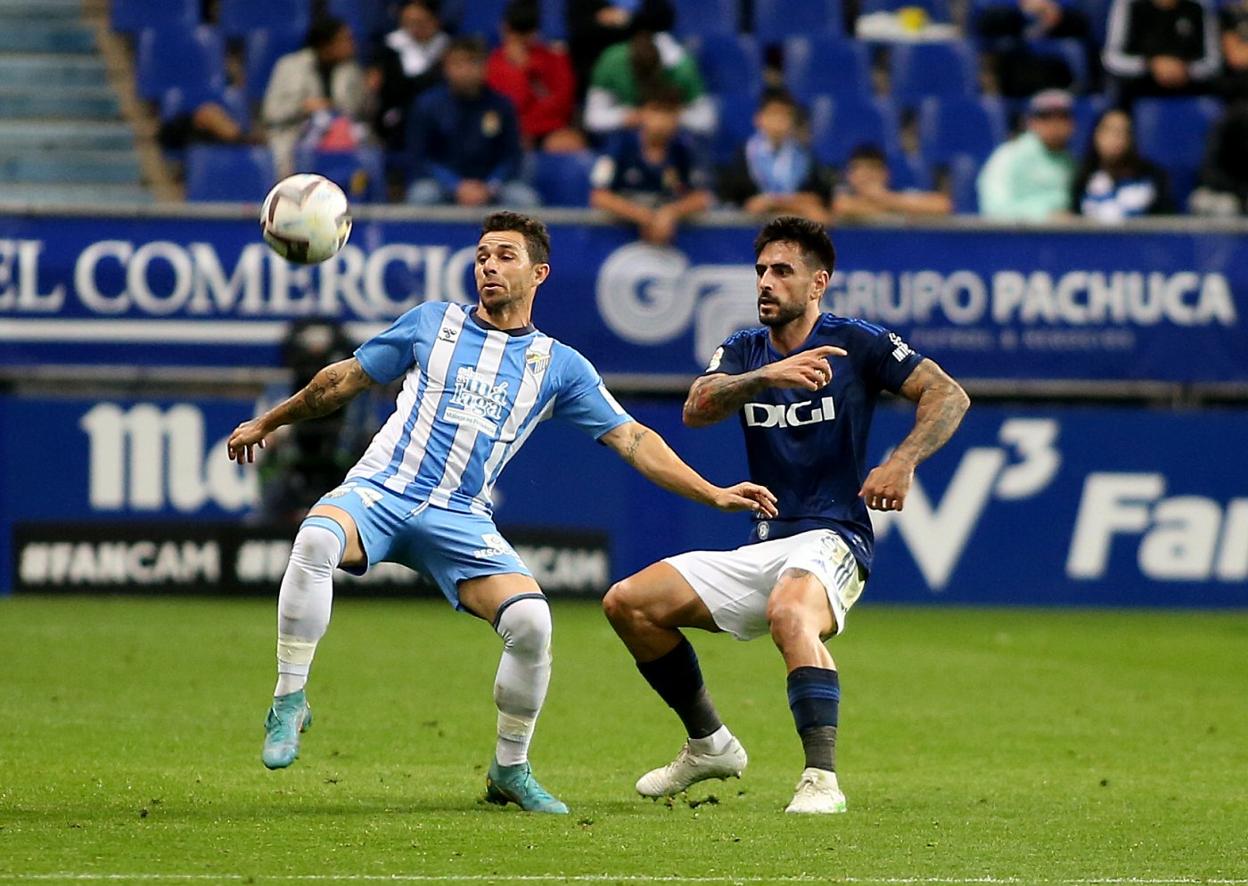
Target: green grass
(1016,745)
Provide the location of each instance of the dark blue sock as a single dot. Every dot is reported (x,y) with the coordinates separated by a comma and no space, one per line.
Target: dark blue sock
(814,699)
(677,678)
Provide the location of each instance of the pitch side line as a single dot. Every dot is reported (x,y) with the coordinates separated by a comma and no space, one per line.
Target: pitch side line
(626,878)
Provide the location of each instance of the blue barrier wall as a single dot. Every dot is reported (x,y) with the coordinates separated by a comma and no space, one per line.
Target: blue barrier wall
(1039,506)
(988,303)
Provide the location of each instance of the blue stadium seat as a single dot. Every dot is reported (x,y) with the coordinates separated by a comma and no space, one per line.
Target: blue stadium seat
(736,124)
(729,63)
(907,172)
(1173,132)
(481,17)
(963,173)
(840,68)
(1087,110)
(261,51)
(221,172)
(132,16)
(563,179)
(241,17)
(1069,51)
(360,173)
(937,10)
(554,19)
(776,19)
(960,126)
(697,18)
(177,100)
(837,127)
(926,69)
(172,58)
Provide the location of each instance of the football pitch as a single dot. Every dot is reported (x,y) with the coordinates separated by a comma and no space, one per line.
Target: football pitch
(976,746)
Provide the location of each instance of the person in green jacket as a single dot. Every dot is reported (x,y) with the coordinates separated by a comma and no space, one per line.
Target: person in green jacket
(1029,177)
(628,70)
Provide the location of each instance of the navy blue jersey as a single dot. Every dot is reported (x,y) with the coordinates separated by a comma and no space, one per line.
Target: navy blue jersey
(810,447)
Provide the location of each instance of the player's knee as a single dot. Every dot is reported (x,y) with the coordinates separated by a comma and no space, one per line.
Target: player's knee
(317,549)
(786,619)
(621,604)
(525,626)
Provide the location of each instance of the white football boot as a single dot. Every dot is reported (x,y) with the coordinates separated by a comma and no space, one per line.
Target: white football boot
(689,768)
(817,793)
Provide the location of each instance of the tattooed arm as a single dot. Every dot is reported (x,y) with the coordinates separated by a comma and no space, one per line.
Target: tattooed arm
(713,398)
(328,390)
(654,459)
(941,405)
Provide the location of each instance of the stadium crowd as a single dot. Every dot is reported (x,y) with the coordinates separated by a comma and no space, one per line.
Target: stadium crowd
(655,110)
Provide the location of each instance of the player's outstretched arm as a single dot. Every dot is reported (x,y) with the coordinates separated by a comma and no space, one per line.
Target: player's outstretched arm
(713,398)
(328,390)
(941,405)
(649,453)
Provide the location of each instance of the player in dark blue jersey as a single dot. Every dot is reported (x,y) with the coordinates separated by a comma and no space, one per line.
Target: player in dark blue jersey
(804,387)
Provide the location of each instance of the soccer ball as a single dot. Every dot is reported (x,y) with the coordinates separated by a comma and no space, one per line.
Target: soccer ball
(306,219)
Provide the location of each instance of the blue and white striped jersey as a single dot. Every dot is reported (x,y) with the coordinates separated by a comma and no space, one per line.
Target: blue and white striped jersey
(471,396)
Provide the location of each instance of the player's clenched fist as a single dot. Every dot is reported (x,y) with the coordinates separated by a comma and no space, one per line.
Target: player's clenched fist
(245,436)
(886,487)
(808,369)
(747,497)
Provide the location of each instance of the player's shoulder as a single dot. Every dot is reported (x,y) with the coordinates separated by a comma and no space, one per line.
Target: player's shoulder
(565,361)
(747,337)
(832,329)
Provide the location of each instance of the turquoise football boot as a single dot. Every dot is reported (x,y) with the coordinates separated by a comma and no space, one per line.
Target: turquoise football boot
(516,784)
(289,716)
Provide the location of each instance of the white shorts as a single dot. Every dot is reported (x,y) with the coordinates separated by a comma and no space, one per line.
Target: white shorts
(735,585)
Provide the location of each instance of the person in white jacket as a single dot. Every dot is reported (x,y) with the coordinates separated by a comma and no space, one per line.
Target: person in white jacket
(322,77)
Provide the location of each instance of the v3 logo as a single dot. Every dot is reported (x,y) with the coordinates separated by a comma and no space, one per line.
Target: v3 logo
(937,532)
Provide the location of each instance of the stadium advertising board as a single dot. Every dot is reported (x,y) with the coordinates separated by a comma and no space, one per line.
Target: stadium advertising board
(991,304)
(1041,506)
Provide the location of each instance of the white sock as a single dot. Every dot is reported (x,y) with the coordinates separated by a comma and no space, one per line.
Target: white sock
(523,674)
(303,604)
(715,743)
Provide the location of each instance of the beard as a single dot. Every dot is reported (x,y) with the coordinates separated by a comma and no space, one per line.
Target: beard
(784,315)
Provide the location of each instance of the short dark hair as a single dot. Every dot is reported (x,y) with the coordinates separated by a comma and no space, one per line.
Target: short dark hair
(778,96)
(471,44)
(536,237)
(323,30)
(522,16)
(810,236)
(868,151)
(663,95)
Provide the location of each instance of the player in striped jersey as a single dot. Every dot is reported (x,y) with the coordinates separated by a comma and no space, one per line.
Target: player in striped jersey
(476,382)
(804,385)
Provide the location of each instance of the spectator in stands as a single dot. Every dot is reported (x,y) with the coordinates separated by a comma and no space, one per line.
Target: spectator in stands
(202,117)
(593,25)
(865,191)
(1223,187)
(1115,182)
(627,71)
(538,80)
(650,176)
(410,61)
(1233,85)
(774,172)
(1006,28)
(1161,47)
(1029,177)
(464,138)
(321,79)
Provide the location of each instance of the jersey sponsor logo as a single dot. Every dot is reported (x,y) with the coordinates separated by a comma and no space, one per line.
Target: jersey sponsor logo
(446,333)
(495,546)
(794,415)
(477,401)
(764,530)
(716,358)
